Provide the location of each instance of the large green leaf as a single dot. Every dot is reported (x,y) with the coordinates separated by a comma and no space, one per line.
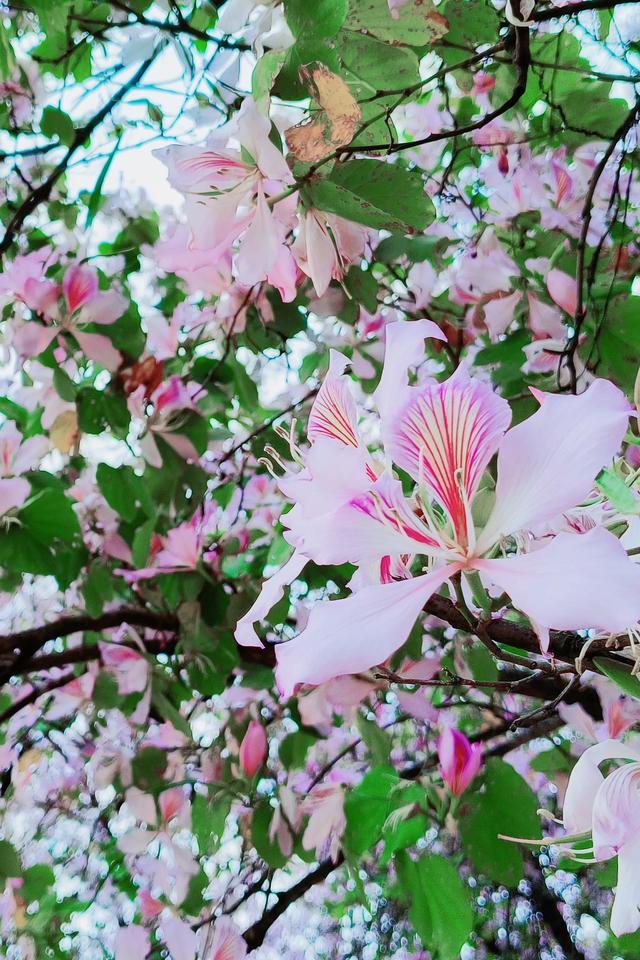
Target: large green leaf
(620,675)
(378,64)
(440,906)
(619,342)
(377,194)
(320,18)
(506,805)
(367,808)
(50,516)
(415,22)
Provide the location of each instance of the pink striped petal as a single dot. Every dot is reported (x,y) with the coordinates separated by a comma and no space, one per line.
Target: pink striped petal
(334,413)
(79,285)
(354,634)
(446,436)
(404,348)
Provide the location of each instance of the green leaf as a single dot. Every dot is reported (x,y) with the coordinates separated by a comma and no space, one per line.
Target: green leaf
(320,18)
(264,75)
(9,861)
(36,881)
(124,490)
(105,692)
(64,385)
(56,124)
(504,805)
(618,493)
(7,56)
(416,23)
(376,194)
(363,287)
(367,808)
(94,200)
(619,342)
(440,906)
(620,675)
(265,847)
(379,65)
(50,516)
(294,748)
(148,767)
(376,740)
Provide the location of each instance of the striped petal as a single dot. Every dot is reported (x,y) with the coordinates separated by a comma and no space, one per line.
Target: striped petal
(334,413)
(446,436)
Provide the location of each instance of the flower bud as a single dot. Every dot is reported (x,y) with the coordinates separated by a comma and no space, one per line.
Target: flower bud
(459,760)
(253,748)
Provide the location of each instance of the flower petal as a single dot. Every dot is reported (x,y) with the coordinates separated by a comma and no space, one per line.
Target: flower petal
(99,348)
(563,290)
(625,914)
(272,591)
(334,413)
(354,634)
(548,463)
(404,347)
(585,781)
(577,582)
(446,436)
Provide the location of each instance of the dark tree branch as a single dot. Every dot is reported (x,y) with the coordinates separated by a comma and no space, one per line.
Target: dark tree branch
(42,193)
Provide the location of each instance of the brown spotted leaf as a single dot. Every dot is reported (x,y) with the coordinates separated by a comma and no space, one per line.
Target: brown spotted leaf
(333,125)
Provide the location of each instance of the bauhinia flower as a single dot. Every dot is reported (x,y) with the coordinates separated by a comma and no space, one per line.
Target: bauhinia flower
(608,808)
(253,748)
(459,760)
(350,507)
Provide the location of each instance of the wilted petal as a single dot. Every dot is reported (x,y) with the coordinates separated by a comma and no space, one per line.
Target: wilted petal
(576,582)
(547,464)
(354,634)
(445,438)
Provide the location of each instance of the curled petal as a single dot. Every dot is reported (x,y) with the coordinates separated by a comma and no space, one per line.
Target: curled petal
(576,582)
(563,291)
(354,634)
(547,464)
(272,591)
(625,914)
(404,348)
(616,811)
(586,780)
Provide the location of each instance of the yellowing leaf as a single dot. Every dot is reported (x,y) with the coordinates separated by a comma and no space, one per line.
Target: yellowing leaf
(333,126)
(64,431)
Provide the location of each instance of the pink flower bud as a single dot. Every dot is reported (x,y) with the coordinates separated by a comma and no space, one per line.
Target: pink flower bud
(253,748)
(459,760)
(483,82)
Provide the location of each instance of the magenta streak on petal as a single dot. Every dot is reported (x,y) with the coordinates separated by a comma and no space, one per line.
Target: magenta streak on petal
(376,506)
(213,162)
(448,428)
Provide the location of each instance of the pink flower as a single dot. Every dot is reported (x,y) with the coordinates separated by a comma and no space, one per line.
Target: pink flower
(609,809)
(324,245)
(347,510)
(253,748)
(483,82)
(460,760)
(563,290)
(327,821)
(227,942)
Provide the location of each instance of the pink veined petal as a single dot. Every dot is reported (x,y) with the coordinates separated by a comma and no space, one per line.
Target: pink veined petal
(272,591)
(404,348)
(625,914)
(577,581)
(616,811)
(283,274)
(132,943)
(354,634)
(99,348)
(227,942)
(498,313)
(334,413)
(446,436)
(377,522)
(79,284)
(333,474)
(547,464)
(563,291)
(585,780)
(13,493)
